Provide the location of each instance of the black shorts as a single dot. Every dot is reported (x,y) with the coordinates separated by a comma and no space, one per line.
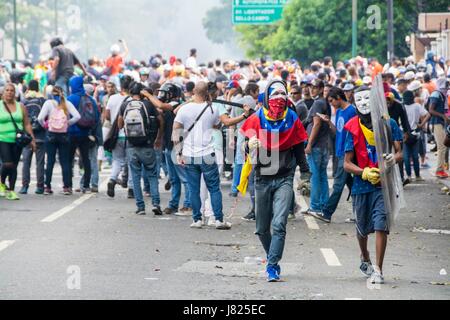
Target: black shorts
(10,152)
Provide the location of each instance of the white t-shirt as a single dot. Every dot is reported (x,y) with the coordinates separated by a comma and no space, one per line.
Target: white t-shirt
(191,63)
(114,104)
(199,142)
(415,112)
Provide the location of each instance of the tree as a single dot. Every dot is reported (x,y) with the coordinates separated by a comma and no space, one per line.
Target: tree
(218,24)
(311,29)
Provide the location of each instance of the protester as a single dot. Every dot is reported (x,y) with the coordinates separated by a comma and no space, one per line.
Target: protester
(14,125)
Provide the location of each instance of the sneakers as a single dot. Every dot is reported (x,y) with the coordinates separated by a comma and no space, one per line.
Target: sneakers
(251,217)
(442,174)
(169,211)
(66,192)
(48,191)
(320,216)
(157,211)
(2,190)
(184,212)
(94,190)
(233,195)
(168,186)
(24,190)
(212,221)
(141,212)
(406,182)
(377,277)
(350,220)
(366,268)
(223,225)
(130,194)
(12,196)
(111,186)
(291,216)
(419,179)
(272,274)
(425,166)
(39,191)
(197,225)
(86,191)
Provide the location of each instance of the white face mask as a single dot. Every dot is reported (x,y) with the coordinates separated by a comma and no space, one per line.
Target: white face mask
(362,101)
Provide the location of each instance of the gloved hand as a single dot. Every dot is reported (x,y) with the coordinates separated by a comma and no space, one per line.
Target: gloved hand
(389,160)
(372,175)
(254,143)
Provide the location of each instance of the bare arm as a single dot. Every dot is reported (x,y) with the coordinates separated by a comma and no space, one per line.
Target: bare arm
(314,134)
(350,167)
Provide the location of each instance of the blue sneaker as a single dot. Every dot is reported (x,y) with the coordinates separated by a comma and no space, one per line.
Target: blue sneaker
(272,274)
(278,269)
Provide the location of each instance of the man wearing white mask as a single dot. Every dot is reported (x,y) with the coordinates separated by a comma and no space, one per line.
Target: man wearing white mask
(361,160)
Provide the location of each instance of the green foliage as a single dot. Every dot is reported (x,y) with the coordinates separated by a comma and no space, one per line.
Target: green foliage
(218,24)
(311,29)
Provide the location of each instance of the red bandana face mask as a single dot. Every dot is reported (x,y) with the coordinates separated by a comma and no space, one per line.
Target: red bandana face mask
(277,107)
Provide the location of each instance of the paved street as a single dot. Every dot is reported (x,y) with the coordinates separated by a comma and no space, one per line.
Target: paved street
(46,241)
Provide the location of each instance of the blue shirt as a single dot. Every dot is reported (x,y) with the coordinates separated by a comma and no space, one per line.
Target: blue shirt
(437,98)
(342,117)
(359,185)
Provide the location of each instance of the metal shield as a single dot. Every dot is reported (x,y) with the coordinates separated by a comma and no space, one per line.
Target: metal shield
(391,181)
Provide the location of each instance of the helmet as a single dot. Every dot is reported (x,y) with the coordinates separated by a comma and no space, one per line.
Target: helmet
(115,49)
(155,63)
(170,92)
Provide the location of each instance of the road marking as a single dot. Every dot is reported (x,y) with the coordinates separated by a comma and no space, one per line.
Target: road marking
(432,231)
(58,214)
(353,299)
(5,244)
(331,258)
(311,223)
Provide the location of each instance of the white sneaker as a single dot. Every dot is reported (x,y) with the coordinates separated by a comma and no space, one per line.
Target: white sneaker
(377,276)
(197,225)
(212,221)
(223,225)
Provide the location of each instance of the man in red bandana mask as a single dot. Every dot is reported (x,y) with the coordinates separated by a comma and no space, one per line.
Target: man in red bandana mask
(275,141)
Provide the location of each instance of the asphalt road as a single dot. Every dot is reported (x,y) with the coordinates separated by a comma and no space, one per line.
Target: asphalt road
(93,247)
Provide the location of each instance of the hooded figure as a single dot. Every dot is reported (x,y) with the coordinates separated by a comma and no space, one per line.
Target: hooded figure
(275,141)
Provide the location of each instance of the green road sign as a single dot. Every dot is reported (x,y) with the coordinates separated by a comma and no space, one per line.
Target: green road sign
(257,11)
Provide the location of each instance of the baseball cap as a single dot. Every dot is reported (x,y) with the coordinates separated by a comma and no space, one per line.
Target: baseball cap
(410,75)
(233,84)
(415,85)
(349,87)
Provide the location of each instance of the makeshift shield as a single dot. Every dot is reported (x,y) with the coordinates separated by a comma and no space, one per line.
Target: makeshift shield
(391,181)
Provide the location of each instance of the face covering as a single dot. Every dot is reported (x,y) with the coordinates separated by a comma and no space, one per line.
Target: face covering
(277,107)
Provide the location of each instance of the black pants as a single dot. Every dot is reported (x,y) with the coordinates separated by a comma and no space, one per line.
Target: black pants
(10,154)
(82,144)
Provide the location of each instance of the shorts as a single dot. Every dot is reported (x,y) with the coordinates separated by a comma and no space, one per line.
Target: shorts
(370,213)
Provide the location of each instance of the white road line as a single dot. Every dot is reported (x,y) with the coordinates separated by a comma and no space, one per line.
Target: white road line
(58,214)
(432,231)
(311,223)
(331,258)
(5,244)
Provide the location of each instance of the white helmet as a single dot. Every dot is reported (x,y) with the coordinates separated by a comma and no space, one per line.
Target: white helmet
(115,49)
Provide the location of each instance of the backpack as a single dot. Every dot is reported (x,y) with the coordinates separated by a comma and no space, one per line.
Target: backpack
(34,107)
(57,121)
(140,127)
(428,104)
(88,114)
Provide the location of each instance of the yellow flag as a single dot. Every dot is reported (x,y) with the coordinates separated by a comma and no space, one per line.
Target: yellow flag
(245,176)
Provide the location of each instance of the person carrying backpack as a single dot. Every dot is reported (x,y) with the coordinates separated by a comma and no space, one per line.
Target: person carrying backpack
(34,101)
(56,116)
(143,126)
(79,133)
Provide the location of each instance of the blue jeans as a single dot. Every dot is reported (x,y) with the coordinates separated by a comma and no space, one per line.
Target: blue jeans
(63,82)
(59,142)
(207,166)
(273,203)
(238,164)
(340,180)
(139,158)
(93,155)
(318,162)
(411,151)
(177,176)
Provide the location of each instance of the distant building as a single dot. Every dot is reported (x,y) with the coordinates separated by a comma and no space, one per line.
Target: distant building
(433,34)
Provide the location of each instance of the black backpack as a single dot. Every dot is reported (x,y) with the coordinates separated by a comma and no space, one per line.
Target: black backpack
(88,113)
(34,107)
(141,127)
(428,104)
